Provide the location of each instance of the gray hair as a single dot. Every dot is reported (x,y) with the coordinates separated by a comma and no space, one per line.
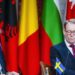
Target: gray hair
(71,21)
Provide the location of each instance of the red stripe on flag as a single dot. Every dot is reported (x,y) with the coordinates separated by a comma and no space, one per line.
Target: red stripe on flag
(45,44)
(29,57)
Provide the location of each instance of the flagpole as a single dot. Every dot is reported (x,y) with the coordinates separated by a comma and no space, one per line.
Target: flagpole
(17,2)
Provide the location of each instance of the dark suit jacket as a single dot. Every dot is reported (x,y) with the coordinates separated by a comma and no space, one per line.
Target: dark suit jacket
(2,62)
(65,56)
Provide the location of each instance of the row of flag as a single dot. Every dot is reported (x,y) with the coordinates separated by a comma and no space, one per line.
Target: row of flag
(27,42)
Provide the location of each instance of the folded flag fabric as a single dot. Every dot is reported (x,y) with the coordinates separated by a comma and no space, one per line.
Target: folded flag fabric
(59,67)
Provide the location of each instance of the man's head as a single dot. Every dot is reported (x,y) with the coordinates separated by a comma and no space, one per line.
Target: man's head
(69,31)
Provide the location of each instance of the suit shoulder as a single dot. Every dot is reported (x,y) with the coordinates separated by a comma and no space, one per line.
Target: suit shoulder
(58,46)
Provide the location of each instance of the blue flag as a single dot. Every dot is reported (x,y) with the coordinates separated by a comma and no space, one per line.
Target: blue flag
(59,66)
(2,62)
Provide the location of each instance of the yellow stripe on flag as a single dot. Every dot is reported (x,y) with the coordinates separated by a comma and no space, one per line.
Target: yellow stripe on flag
(28,20)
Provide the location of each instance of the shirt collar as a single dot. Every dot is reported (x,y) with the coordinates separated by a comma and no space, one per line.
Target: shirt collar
(68,44)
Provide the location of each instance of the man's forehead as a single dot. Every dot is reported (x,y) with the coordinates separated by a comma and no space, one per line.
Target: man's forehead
(70,26)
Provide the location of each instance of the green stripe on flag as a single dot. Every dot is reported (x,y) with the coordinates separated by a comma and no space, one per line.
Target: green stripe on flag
(52,22)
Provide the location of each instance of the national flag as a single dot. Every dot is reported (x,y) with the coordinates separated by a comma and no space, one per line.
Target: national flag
(50,29)
(2,8)
(10,34)
(2,52)
(70,13)
(59,67)
(29,61)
